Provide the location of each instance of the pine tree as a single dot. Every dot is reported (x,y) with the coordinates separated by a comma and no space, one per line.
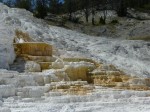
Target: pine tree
(55,6)
(85,4)
(26,4)
(41,8)
(122,8)
(70,6)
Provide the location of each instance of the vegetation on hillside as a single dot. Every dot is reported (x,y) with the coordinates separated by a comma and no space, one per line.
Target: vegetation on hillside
(42,7)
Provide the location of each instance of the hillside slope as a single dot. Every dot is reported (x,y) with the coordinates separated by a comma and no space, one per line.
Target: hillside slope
(133,57)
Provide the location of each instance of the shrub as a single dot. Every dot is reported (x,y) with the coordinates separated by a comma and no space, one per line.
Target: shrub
(114,21)
(102,21)
(63,21)
(146,7)
(75,19)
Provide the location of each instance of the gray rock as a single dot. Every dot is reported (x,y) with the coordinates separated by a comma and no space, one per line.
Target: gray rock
(32,66)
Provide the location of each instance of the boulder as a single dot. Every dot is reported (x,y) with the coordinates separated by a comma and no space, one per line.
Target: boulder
(58,64)
(39,79)
(32,66)
(78,70)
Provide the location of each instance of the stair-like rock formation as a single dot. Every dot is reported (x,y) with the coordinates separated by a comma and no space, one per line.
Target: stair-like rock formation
(38,55)
(33,49)
(109,76)
(73,68)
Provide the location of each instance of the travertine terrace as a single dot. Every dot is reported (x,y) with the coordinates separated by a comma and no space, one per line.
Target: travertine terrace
(51,69)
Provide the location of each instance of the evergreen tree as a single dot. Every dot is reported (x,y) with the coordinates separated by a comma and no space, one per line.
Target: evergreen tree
(70,6)
(122,8)
(85,5)
(26,4)
(55,6)
(41,8)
